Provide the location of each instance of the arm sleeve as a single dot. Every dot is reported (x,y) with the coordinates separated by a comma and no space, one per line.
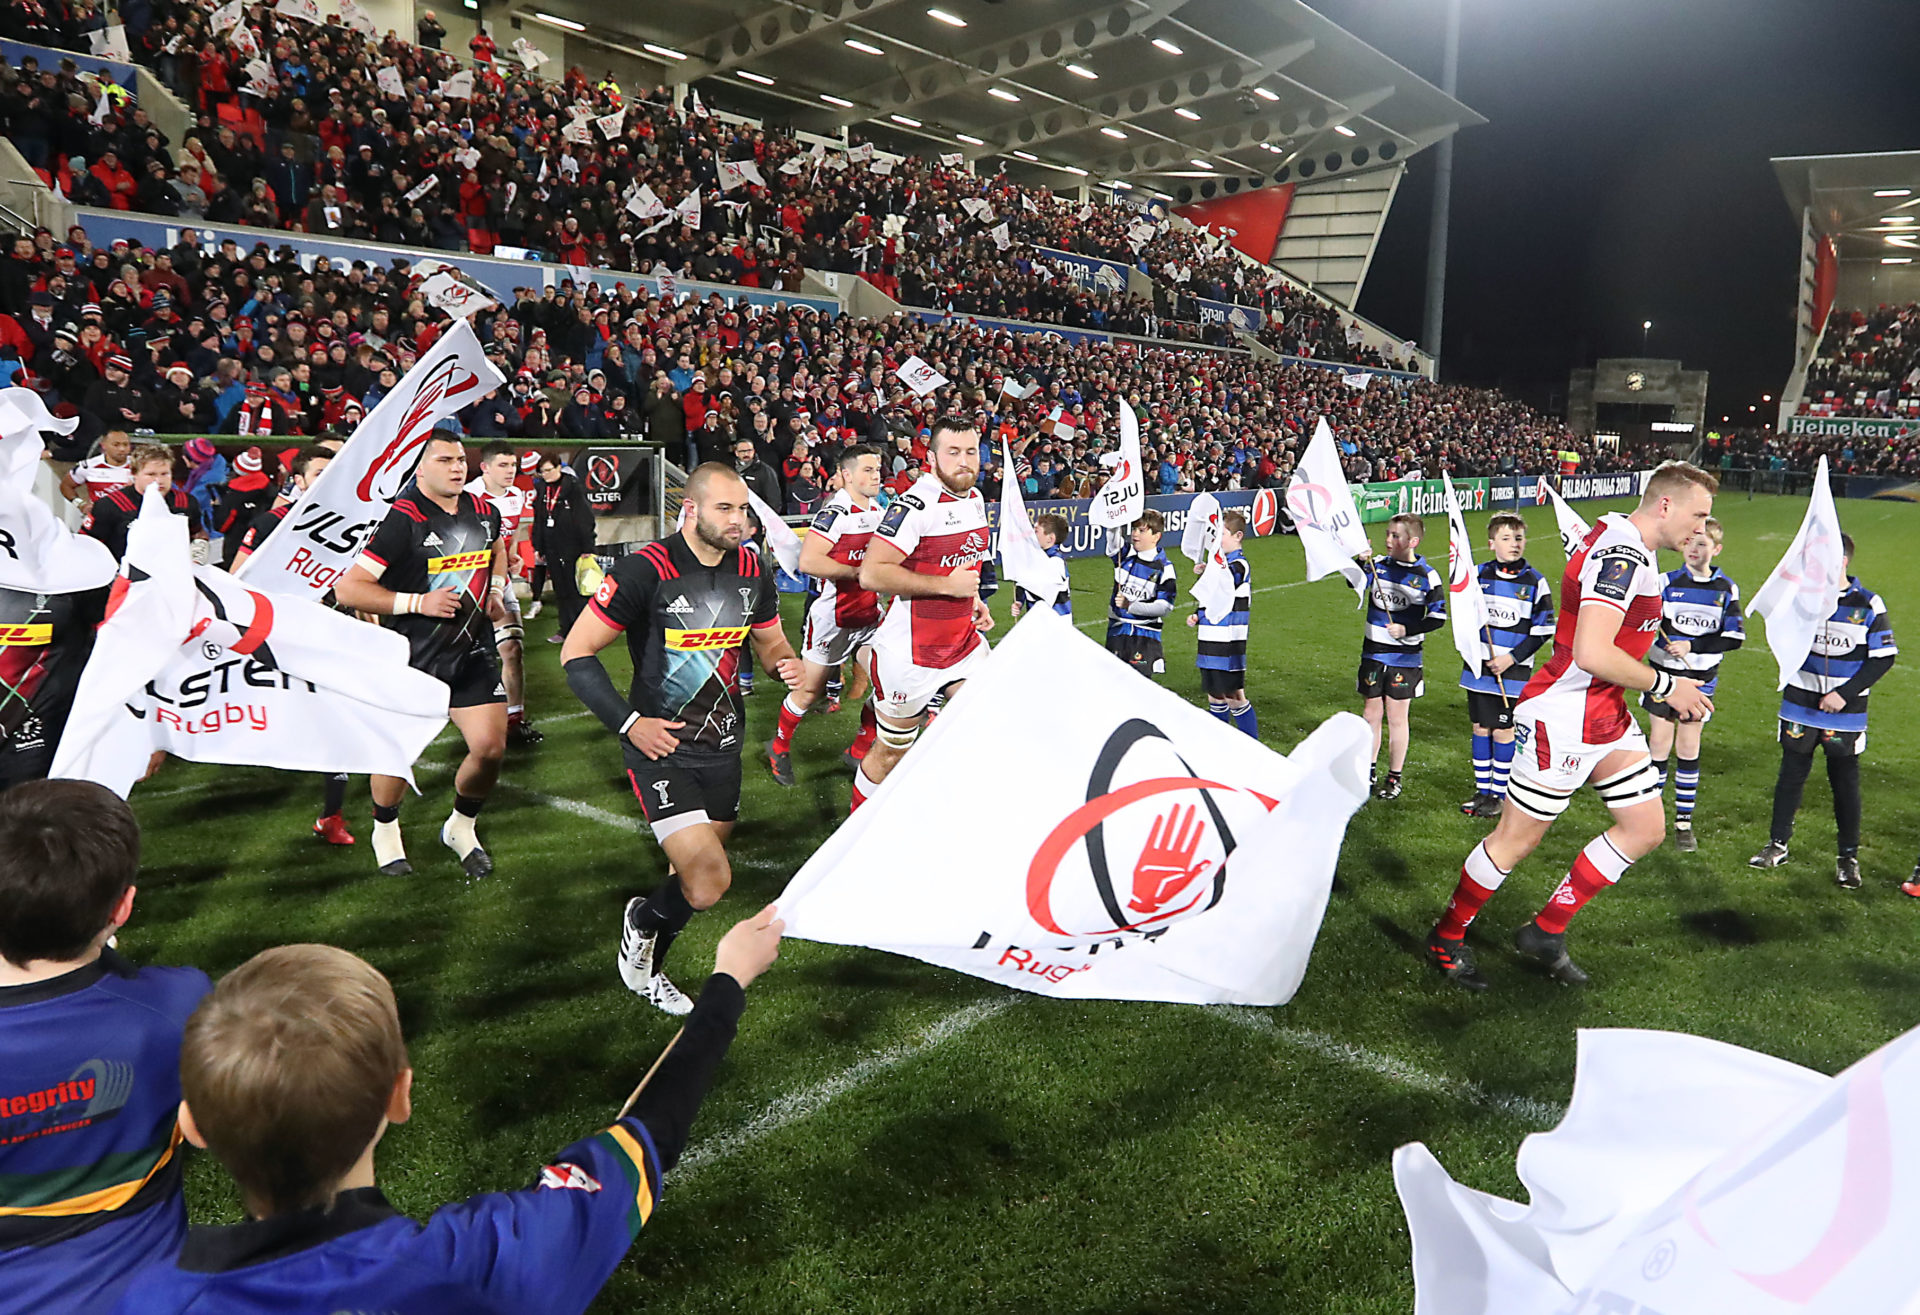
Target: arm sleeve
(591,684)
(623,597)
(1870,671)
(766,603)
(667,1107)
(826,524)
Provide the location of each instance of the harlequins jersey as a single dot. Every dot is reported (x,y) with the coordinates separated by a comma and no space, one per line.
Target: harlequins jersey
(421,547)
(685,622)
(263,527)
(115,512)
(44,643)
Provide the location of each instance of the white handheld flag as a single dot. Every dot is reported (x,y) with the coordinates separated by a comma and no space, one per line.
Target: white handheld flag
(356,18)
(688,210)
(1805,587)
(1213,589)
(323,533)
(1690,1177)
(1124,496)
(610,124)
(225,17)
(422,187)
(1201,527)
(644,204)
(1152,853)
(952,160)
(699,106)
(1322,508)
(387,78)
(1002,237)
(780,536)
(1019,392)
(459,86)
(1573,530)
(1466,605)
(307,11)
(454,295)
(919,377)
(38,553)
(739,173)
(1022,559)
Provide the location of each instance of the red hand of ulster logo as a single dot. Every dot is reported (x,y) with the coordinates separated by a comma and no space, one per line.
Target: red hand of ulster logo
(1165,866)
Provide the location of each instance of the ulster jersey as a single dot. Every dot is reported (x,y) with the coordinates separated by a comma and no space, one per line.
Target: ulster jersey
(940,533)
(685,623)
(512,505)
(420,547)
(100,477)
(1613,566)
(846,528)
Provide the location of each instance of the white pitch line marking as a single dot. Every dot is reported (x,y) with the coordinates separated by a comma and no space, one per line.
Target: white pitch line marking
(1542,1113)
(800,1104)
(576,807)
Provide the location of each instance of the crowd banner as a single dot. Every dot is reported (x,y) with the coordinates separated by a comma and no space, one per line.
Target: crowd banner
(1245,319)
(1088,273)
(1078,337)
(114,70)
(1860,427)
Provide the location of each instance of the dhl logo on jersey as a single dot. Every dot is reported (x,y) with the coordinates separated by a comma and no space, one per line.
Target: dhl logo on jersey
(460,561)
(721,637)
(26,636)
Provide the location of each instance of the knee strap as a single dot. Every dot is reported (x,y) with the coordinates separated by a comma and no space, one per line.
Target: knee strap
(1640,782)
(895,737)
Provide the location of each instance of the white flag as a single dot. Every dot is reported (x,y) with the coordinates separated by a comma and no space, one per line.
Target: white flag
(1002,238)
(780,536)
(1152,853)
(1202,521)
(1466,605)
(1022,559)
(919,377)
(1356,379)
(387,78)
(1573,530)
(422,187)
(976,208)
(1084,213)
(225,17)
(699,106)
(307,11)
(323,533)
(531,57)
(739,173)
(459,86)
(357,18)
(861,153)
(244,40)
(644,204)
(1688,1177)
(1138,235)
(688,210)
(1213,589)
(953,160)
(1322,508)
(38,553)
(1806,586)
(609,124)
(455,295)
(1123,497)
(793,167)
(1018,391)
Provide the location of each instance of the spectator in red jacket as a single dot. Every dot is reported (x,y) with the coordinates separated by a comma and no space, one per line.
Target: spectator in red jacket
(116,178)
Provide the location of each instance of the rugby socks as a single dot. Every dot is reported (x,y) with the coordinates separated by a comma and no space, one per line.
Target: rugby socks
(789,722)
(1787,790)
(862,788)
(1243,718)
(516,713)
(459,834)
(1502,765)
(868,729)
(1600,865)
(467,805)
(663,914)
(835,688)
(1218,707)
(1843,774)
(1686,783)
(1483,762)
(1479,878)
(336,796)
(1661,767)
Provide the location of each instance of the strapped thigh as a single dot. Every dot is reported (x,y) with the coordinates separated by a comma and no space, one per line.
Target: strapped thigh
(1638,784)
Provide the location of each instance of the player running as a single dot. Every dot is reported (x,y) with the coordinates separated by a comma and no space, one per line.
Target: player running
(436,569)
(1699,625)
(1519,621)
(927,554)
(684,603)
(1572,726)
(843,616)
(495,483)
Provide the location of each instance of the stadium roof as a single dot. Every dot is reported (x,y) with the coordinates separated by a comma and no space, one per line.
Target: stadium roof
(1868,204)
(1149,91)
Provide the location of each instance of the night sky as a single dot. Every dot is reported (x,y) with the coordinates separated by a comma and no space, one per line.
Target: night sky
(1623,176)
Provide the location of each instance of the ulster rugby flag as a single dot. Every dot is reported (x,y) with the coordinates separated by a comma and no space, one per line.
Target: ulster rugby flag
(191,662)
(1152,853)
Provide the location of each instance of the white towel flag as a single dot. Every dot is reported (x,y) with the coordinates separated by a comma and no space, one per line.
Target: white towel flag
(1322,508)
(38,553)
(1466,605)
(1022,559)
(1806,586)
(919,377)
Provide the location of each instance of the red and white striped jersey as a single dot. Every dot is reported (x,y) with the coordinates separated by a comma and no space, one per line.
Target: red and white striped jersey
(846,528)
(940,533)
(1613,566)
(101,477)
(512,505)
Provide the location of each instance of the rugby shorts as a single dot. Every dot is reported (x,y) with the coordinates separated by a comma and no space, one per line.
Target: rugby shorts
(683,789)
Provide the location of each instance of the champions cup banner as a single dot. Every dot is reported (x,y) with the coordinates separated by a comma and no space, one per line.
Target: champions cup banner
(1088,273)
(1085,539)
(1850,427)
(1243,318)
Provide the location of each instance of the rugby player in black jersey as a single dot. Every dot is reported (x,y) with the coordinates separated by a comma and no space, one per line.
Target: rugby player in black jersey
(684,603)
(435,570)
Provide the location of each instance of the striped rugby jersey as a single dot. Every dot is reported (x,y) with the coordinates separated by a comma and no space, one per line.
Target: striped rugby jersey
(1223,640)
(1704,613)
(1520,619)
(1140,580)
(1411,594)
(1851,649)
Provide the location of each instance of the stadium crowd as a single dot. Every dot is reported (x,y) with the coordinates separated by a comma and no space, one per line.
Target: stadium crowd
(1868,365)
(307,138)
(1764,450)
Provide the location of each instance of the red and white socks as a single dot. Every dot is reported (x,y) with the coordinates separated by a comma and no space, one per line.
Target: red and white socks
(1480,876)
(1600,865)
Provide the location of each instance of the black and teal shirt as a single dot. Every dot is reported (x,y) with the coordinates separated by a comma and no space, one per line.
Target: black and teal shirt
(420,547)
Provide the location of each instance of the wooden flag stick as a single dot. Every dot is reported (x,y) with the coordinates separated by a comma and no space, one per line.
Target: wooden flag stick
(649,1074)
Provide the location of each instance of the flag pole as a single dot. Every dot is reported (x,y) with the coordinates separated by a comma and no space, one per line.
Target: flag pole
(649,1074)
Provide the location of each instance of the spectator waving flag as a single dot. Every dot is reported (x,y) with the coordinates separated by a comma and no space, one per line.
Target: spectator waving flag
(919,377)
(1573,530)
(1356,378)
(307,11)
(1466,605)
(387,78)
(1018,391)
(953,160)
(1124,496)
(1801,593)
(455,295)
(459,86)
(644,204)
(192,663)
(1059,424)
(41,555)
(356,18)
(610,124)
(688,211)
(1002,235)
(324,531)
(1022,559)
(225,17)
(1322,508)
(1145,817)
(739,173)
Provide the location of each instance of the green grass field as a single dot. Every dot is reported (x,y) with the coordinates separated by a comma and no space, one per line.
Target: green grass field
(889,1136)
